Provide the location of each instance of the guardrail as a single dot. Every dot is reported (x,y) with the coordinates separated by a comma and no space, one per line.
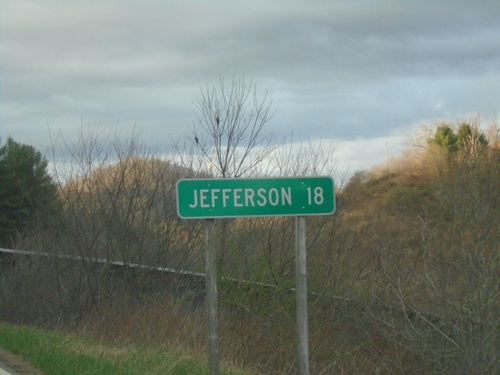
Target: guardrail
(198,277)
(7,256)
(101,261)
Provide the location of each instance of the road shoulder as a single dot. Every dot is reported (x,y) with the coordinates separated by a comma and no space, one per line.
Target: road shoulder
(12,364)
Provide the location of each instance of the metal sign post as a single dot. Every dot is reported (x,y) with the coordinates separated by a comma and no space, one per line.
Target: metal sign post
(301,294)
(211,292)
(250,197)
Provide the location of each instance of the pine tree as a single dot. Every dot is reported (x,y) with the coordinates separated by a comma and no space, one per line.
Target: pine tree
(446,137)
(467,133)
(26,189)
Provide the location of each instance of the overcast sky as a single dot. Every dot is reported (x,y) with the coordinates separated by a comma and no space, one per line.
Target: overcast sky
(354,73)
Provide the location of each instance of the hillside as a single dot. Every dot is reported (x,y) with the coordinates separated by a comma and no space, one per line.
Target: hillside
(403,277)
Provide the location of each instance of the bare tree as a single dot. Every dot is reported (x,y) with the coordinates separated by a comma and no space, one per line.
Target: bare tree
(229,138)
(119,206)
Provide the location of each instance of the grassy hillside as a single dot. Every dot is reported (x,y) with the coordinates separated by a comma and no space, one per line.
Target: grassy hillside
(403,277)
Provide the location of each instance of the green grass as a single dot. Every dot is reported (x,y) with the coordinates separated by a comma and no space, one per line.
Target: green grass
(57,353)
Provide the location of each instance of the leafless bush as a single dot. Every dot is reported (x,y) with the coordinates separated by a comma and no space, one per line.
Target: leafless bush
(444,311)
(119,206)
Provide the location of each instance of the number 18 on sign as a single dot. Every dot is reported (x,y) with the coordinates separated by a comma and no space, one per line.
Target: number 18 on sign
(246,197)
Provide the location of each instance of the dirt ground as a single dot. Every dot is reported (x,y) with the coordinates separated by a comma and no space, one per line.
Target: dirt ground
(18,364)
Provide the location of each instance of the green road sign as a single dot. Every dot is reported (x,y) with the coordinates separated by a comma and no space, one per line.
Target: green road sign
(239,197)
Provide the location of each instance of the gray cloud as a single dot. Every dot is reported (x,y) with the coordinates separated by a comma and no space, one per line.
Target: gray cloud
(345,70)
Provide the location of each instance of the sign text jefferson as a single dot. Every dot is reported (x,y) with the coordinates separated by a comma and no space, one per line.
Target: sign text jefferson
(238,197)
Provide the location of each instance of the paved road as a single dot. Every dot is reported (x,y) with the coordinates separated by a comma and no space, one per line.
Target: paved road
(5,370)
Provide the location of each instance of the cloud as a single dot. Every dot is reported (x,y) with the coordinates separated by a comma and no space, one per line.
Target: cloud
(344,70)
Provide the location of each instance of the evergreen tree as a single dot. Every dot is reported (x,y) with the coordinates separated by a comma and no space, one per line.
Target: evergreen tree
(467,133)
(446,137)
(27,192)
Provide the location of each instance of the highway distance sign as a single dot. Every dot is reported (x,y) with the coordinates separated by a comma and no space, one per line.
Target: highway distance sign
(202,198)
